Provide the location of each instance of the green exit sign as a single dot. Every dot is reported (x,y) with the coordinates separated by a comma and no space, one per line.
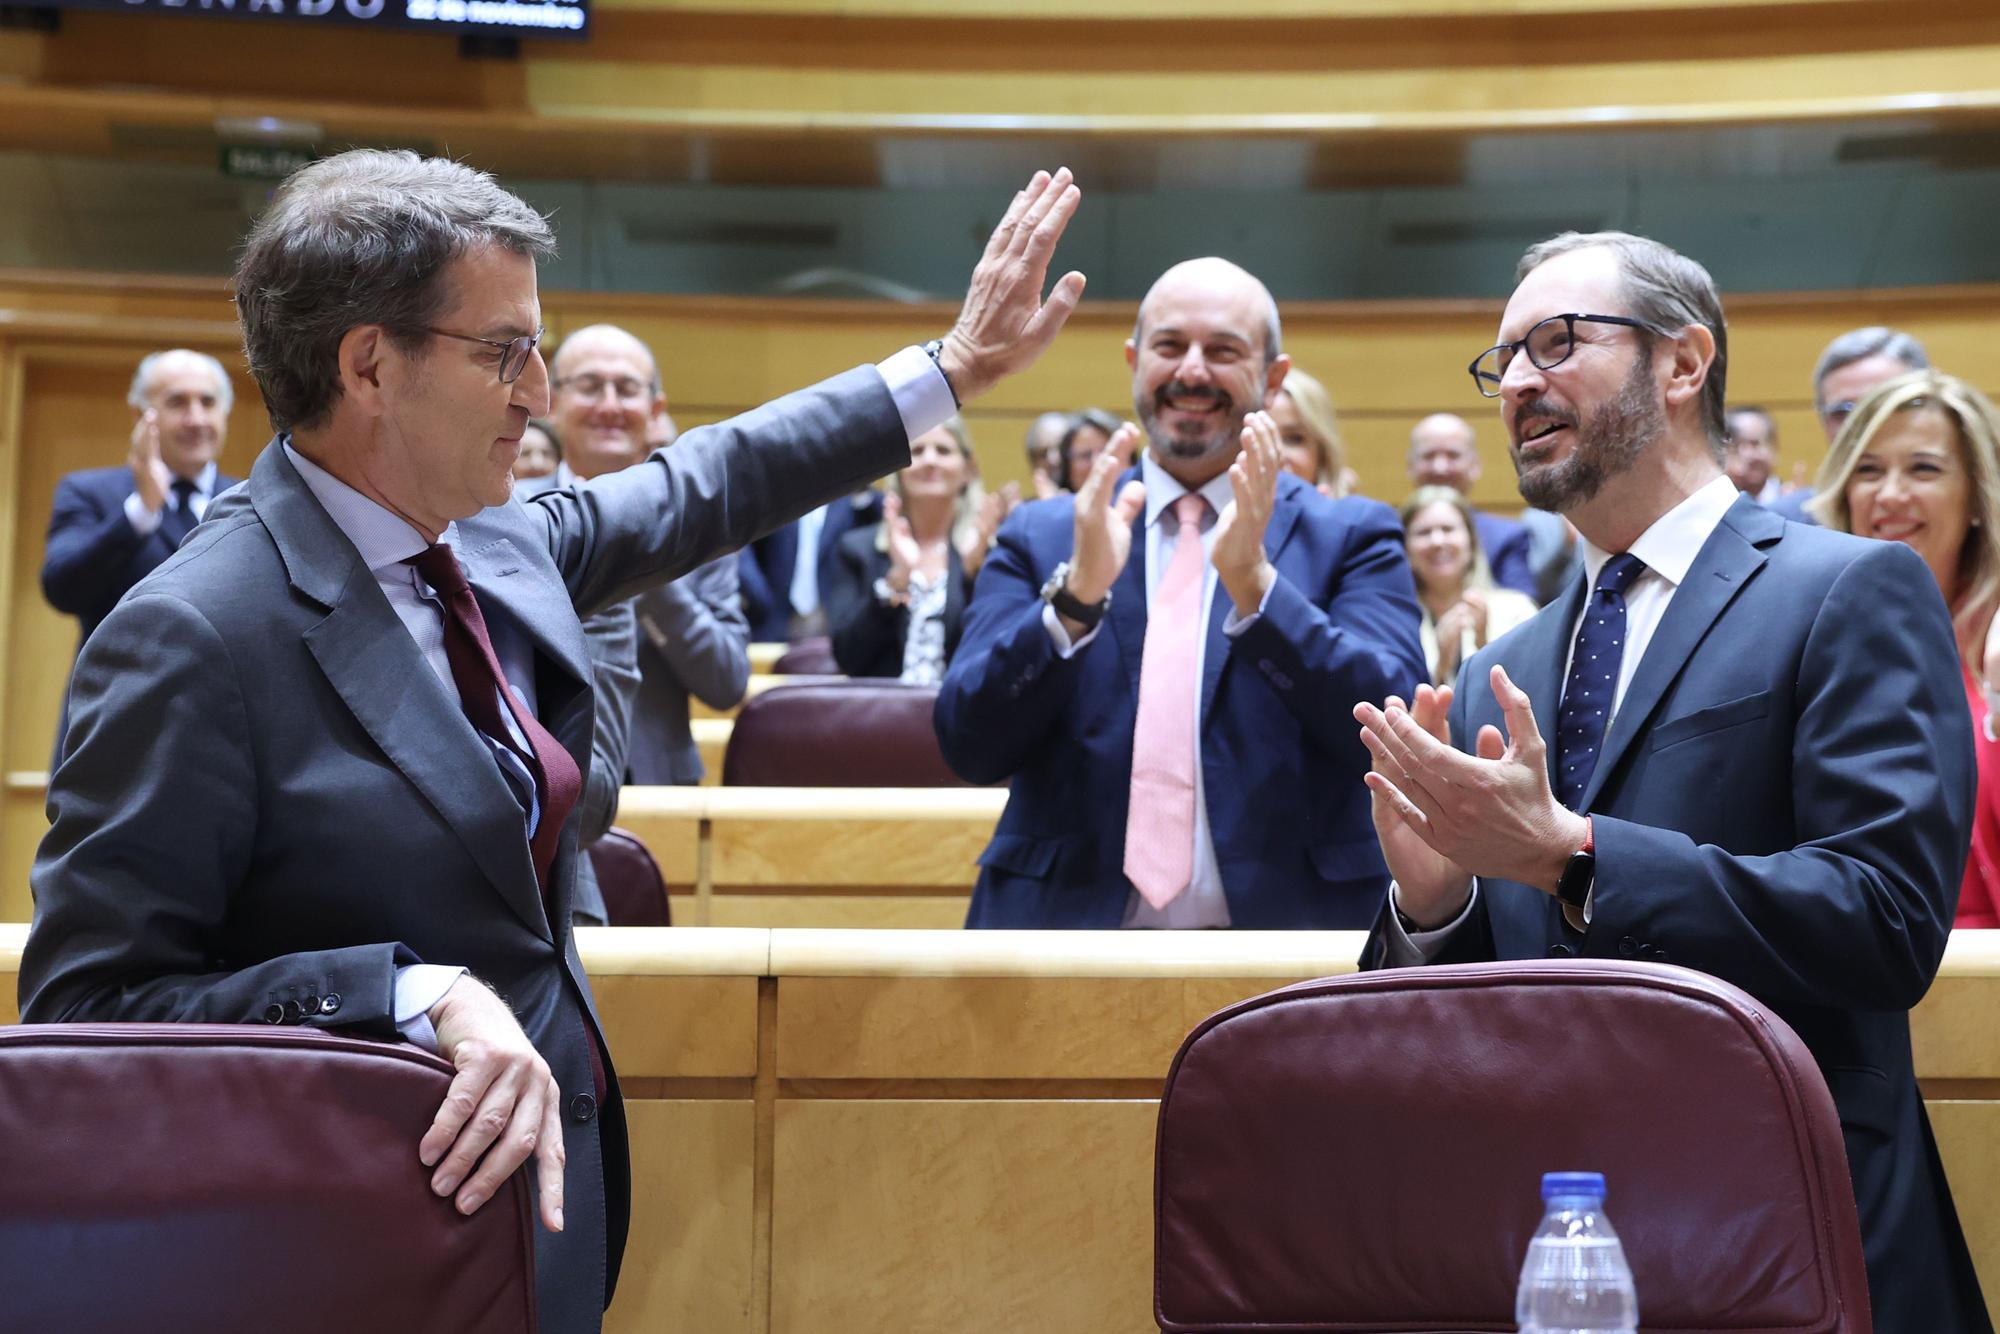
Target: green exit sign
(264,162)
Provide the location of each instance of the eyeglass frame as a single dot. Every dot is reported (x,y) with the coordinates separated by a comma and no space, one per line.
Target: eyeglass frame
(645,394)
(1520,345)
(506,346)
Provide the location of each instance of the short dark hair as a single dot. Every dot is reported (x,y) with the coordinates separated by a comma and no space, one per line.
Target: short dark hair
(364,237)
(1669,292)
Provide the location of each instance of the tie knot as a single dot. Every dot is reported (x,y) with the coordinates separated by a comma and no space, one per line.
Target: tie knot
(183,488)
(439,569)
(1619,573)
(1188,511)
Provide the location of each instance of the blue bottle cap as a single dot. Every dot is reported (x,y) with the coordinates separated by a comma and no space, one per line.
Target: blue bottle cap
(1555,1184)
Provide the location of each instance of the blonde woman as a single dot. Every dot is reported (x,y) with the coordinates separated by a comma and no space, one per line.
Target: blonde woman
(1303,411)
(1463,608)
(1918,462)
(897,589)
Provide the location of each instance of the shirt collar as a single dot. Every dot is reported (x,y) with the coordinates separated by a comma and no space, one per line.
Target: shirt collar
(204,481)
(1162,489)
(1669,547)
(382,537)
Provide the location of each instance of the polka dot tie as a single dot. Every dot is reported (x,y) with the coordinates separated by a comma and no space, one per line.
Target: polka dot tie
(1593,679)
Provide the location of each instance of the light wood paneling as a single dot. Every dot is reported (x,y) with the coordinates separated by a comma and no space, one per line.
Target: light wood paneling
(950,1215)
(679,1027)
(688,1263)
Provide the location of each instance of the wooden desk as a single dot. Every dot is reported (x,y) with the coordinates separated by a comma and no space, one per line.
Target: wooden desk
(839,1132)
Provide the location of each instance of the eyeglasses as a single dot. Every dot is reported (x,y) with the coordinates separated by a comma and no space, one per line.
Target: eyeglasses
(1548,346)
(1838,413)
(591,387)
(514,352)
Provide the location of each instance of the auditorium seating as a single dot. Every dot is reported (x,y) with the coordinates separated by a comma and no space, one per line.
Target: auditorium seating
(837,733)
(226,1178)
(635,893)
(808,657)
(1364,1153)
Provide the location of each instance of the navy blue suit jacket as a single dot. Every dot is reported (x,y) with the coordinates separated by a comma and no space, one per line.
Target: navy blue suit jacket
(93,556)
(764,568)
(1281,756)
(1784,800)
(1506,542)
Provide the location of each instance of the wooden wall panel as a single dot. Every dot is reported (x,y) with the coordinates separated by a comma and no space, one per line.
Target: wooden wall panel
(689,1263)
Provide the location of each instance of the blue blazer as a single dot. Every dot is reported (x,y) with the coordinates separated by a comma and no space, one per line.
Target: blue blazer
(1281,755)
(764,568)
(1506,542)
(1784,801)
(93,555)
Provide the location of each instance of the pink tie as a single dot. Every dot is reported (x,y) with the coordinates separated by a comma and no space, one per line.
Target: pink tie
(1159,822)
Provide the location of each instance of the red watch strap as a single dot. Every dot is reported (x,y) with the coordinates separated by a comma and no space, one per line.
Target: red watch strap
(1589,836)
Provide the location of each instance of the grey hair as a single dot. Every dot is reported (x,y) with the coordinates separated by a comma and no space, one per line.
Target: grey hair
(142,379)
(1860,344)
(1669,292)
(364,237)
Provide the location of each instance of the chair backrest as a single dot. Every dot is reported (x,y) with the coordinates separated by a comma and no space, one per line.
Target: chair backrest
(635,893)
(808,657)
(225,1178)
(837,733)
(1364,1153)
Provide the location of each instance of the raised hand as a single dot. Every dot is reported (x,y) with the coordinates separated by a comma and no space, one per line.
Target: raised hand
(1238,554)
(502,1108)
(1104,529)
(905,554)
(149,475)
(994,507)
(1431,888)
(1005,325)
(1492,813)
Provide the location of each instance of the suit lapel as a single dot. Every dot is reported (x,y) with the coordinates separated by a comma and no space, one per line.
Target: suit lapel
(1536,668)
(503,583)
(372,663)
(1726,563)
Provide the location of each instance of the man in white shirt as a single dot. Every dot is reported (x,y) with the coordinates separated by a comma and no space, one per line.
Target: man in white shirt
(324,763)
(1757,761)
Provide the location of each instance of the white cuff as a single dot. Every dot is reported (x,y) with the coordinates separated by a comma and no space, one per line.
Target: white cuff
(1234,625)
(144,522)
(1403,949)
(923,398)
(1059,634)
(418,987)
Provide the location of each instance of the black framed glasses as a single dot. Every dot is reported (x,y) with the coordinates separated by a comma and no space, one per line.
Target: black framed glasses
(514,352)
(1548,346)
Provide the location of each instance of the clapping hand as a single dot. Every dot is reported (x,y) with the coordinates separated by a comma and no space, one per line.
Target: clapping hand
(994,507)
(1103,537)
(1238,555)
(149,475)
(1005,325)
(904,552)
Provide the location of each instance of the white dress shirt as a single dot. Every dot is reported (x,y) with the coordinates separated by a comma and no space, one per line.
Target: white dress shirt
(146,522)
(384,540)
(1203,903)
(1668,550)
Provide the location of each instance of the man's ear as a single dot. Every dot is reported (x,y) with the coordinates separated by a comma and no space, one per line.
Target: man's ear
(1693,354)
(363,351)
(1131,355)
(1275,373)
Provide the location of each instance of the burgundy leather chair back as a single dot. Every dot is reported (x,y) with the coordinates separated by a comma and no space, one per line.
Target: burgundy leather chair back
(223,1179)
(1365,1153)
(808,657)
(837,733)
(635,893)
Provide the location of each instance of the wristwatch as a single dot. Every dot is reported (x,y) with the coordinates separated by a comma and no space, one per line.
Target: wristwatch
(1087,614)
(935,351)
(1580,872)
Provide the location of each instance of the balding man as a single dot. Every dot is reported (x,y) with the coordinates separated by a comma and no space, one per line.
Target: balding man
(1444,451)
(109,527)
(1152,673)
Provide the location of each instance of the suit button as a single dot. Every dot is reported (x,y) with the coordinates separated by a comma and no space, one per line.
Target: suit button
(582,1109)
(330,1003)
(309,1006)
(291,1012)
(274,1014)
(1628,948)
(1561,952)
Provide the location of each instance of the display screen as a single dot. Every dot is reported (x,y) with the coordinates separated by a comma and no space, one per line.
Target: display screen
(511,18)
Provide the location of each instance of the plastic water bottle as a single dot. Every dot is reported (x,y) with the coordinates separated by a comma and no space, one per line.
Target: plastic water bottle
(1575,1280)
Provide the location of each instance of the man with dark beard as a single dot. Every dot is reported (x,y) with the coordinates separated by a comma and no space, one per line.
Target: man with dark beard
(1153,672)
(1759,762)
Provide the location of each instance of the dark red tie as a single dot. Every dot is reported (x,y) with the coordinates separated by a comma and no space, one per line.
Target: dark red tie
(481,687)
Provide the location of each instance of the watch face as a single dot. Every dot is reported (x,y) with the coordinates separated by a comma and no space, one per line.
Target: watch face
(1578,873)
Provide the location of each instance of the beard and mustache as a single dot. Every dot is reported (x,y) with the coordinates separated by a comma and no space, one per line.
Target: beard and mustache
(1193,441)
(1607,443)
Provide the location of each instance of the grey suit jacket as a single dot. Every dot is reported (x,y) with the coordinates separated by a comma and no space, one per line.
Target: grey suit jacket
(693,640)
(270,802)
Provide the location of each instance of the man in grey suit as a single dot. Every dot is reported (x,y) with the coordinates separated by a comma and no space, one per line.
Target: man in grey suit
(693,637)
(323,763)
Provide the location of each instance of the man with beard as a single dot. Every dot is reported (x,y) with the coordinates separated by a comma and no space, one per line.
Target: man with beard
(1152,672)
(110,527)
(1759,762)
